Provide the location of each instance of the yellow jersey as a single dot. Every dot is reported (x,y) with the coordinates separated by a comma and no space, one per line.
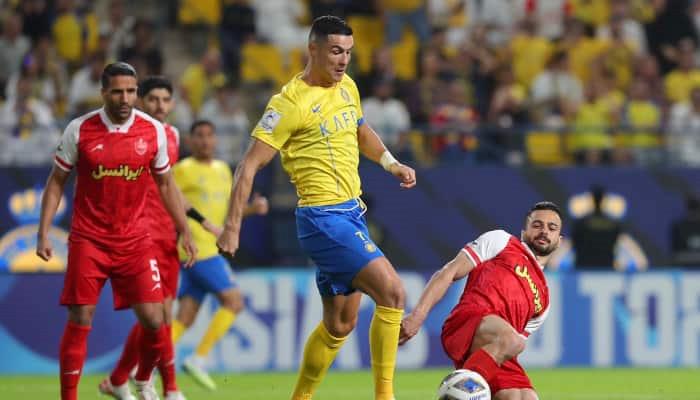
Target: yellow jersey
(207,187)
(315,130)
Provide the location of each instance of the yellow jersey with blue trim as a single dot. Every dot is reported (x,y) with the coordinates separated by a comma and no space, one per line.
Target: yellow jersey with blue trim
(315,130)
(207,187)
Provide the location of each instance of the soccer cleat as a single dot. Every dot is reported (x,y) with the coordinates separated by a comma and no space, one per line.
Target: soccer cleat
(120,392)
(146,391)
(175,396)
(195,370)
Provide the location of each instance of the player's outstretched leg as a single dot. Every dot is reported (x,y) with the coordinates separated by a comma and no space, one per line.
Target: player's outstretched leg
(381,282)
(73,349)
(116,385)
(323,344)
(495,342)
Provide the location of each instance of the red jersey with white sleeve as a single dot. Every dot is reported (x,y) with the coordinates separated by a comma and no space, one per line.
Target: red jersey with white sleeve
(161,225)
(113,164)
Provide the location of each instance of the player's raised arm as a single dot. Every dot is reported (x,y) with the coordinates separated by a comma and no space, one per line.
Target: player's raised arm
(372,147)
(50,200)
(257,156)
(434,291)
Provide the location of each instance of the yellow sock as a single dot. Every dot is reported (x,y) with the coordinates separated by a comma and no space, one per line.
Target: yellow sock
(177,330)
(383,344)
(220,322)
(319,353)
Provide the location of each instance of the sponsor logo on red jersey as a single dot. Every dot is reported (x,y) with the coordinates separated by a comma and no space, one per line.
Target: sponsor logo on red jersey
(123,171)
(524,273)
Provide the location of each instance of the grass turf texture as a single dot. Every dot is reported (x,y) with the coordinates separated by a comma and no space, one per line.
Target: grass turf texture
(563,383)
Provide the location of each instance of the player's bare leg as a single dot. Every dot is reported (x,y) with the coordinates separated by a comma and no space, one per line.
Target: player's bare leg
(230,305)
(73,349)
(381,282)
(166,365)
(153,339)
(495,342)
(516,394)
(322,345)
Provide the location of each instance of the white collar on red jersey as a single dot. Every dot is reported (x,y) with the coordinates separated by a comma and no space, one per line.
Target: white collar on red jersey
(112,127)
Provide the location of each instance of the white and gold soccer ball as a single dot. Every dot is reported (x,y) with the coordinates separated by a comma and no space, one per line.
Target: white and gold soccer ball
(464,384)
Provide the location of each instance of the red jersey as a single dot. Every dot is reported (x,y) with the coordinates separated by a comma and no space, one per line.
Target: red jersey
(161,225)
(113,164)
(507,281)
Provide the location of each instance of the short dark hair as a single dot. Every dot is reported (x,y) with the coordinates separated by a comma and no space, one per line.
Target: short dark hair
(201,122)
(545,205)
(119,68)
(328,25)
(154,82)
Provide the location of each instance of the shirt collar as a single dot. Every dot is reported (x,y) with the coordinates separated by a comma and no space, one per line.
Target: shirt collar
(118,128)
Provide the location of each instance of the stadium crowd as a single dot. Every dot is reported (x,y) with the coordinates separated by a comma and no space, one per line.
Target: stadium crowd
(547,82)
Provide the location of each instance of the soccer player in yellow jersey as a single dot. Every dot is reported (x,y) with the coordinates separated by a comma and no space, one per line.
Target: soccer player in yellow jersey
(316,124)
(206,184)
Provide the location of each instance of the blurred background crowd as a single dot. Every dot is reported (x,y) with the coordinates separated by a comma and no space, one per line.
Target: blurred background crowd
(546,82)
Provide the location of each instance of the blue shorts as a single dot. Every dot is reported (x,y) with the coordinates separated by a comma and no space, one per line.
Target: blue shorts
(337,240)
(211,275)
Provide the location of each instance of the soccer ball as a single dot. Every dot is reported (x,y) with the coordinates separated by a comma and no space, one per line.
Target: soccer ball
(463,384)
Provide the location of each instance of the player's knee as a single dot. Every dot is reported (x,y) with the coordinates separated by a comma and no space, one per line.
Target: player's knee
(340,328)
(512,344)
(528,394)
(233,302)
(395,296)
(81,315)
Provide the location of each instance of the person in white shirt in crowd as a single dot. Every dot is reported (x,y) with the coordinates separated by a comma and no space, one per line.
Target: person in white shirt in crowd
(683,141)
(84,90)
(388,114)
(225,111)
(13,46)
(556,92)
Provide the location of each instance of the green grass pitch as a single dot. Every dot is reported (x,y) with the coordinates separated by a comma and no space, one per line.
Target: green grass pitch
(564,383)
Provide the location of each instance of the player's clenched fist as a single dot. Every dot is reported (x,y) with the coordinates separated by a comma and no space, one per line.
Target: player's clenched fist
(409,328)
(190,248)
(227,243)
(44,249)
(405,174)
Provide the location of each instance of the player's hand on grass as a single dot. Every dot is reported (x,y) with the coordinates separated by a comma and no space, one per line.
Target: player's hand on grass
(409,327)
(190,248)
(405,174)
(43,248)
(259,204)
(227,243)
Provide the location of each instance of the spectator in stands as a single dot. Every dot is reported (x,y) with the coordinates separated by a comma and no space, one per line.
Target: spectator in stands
(198,19)
(582,49)
(685,235)
(401,13)
(484,61)
(225,111)
(118,28)
(670,25)
(13,46)
(684,77)
(640,123)
(453,126)
(144,49)
(46,74)
(198,80)
(422,96)
(237,27)
(382,69)
(647,70)
(28,125)
(590,140)
(630,30)
(85,87)
(529,52)
(598,239)
(618,56)
(506,121)
(388,116)
(36,19)
(277,21)
(75,32)
(683,142)
(556,93)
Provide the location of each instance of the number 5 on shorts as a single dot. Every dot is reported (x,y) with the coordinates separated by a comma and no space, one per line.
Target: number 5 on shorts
(154,268)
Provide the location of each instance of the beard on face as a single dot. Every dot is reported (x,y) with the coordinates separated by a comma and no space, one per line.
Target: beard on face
(541,250)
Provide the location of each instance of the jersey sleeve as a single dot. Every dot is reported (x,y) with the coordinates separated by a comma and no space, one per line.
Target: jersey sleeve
(280,119)
(161,162)
(67,150)
(486,246)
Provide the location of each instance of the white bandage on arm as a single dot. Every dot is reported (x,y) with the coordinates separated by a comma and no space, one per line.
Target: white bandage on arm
(387,159)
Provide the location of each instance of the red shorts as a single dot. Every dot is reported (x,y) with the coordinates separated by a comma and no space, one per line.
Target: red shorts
(165,251)
(135,276)
(457,336)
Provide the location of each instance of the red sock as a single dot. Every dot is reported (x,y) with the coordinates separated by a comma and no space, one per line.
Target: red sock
(482,363)
(129,357)
(72,357)
(152,343)
(166,364)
